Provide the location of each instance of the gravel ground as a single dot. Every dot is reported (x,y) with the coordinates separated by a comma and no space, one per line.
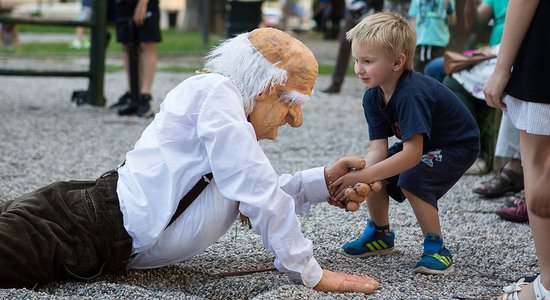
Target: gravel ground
(45,137)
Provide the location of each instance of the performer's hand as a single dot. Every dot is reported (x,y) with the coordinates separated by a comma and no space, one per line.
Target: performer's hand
(346,283)
(359,192)
(342,167)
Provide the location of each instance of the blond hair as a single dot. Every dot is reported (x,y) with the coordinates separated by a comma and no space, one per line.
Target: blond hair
(388,30)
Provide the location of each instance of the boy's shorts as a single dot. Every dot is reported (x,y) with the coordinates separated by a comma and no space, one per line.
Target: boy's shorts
(149,32)
(437,172)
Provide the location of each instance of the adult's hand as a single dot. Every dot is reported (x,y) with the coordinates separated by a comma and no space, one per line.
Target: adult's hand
(346,283)
(140,12)
(494,88)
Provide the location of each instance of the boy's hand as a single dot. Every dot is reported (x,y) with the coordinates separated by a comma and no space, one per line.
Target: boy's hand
(346,283)
(342,167)
(338,187)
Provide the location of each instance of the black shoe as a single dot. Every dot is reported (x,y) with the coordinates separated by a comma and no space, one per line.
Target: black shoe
(332,89)
(123,101)
(128,110)
(144,109)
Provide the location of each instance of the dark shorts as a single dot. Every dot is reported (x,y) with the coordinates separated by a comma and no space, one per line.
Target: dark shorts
(149,32)
(66,230)
(436,173)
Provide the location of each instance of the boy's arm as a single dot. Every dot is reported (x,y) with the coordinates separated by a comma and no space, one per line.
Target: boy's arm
(403,160)
(378,151)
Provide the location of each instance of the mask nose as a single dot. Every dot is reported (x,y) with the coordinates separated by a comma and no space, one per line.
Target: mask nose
(294,116)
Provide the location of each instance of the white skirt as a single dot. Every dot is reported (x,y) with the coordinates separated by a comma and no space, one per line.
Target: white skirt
(529,116)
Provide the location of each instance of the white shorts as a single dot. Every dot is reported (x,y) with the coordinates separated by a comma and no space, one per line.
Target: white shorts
(529,116)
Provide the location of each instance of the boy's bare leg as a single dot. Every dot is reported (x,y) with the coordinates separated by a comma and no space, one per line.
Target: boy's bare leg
(426,214)
(378,205)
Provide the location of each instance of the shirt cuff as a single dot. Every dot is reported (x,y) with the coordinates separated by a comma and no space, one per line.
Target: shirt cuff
(315,185)
(312,273)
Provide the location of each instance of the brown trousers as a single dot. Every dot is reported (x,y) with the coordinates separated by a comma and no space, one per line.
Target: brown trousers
(66,230)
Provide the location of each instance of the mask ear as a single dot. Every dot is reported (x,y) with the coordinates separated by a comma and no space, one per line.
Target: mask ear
(263,94)
(399,62)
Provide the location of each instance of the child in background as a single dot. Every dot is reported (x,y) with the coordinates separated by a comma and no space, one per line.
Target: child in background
(81,42)
(439,140)
(432,19)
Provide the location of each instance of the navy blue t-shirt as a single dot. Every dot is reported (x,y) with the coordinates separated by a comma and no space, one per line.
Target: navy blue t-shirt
(420,104)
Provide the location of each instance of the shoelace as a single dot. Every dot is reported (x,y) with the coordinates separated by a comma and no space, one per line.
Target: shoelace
(511,291)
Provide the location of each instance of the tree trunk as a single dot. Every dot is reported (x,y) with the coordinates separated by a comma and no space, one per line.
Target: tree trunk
(191,21)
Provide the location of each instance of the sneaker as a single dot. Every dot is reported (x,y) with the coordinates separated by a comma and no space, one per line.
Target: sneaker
(516,213)
(436,259)
(370,243)
(144,109)
(123,101)
(76,44)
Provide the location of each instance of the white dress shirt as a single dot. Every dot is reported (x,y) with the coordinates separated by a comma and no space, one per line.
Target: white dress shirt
(202,128)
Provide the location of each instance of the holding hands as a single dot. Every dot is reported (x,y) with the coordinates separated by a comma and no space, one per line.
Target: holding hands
(345,183)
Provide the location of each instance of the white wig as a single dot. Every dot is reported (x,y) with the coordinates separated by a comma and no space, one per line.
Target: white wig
(247,68)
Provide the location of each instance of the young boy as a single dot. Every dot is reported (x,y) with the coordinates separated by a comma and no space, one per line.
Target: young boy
(439,140)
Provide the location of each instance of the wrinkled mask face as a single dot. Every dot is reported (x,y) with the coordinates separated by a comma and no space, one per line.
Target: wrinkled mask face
(281,104)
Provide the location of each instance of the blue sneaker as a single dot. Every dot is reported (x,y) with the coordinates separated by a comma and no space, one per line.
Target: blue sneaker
(436,259)
(369,243)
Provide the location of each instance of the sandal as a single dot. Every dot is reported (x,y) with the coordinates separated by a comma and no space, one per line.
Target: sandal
(505,181)
(479,167)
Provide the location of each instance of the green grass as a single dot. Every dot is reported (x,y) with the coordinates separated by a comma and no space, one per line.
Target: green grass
(44,28)
(173,42)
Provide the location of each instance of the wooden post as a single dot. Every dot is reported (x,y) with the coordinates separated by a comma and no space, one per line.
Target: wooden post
(97,54)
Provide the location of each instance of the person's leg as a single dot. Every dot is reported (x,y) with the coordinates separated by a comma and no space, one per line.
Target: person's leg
(435,259)
(377,238)
(149,66)
(126,63)
(342,59)
(66,230)
(535,153)
(378,205)
(37,235)
(426,214)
